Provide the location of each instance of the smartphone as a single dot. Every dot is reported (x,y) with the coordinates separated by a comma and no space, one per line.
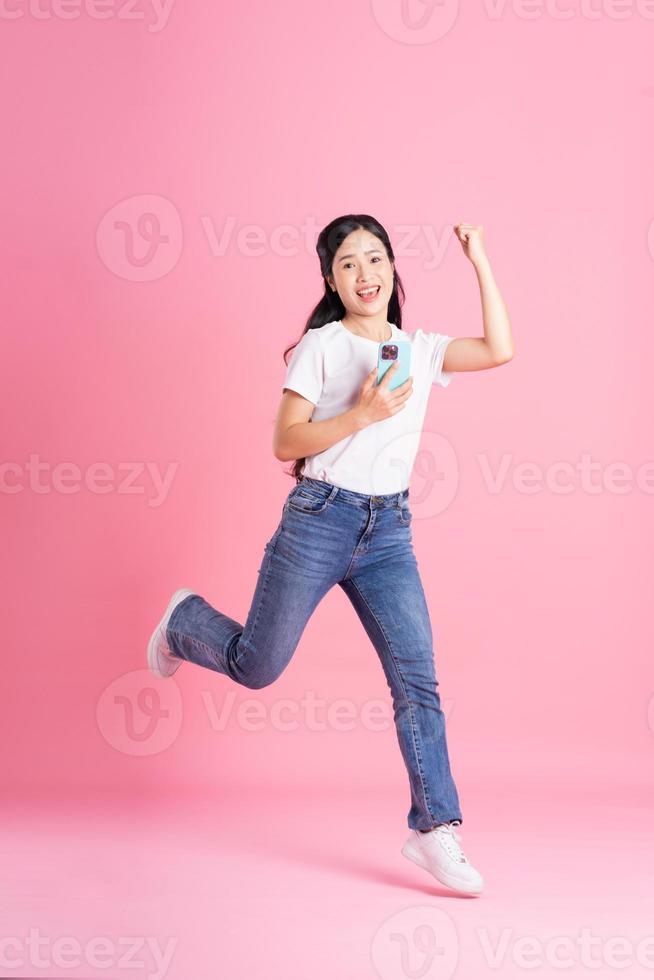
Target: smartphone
(390,353)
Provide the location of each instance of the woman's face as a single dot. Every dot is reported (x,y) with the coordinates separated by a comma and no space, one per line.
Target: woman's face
(362,274)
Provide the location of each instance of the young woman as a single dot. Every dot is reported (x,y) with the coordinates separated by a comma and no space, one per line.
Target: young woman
(347,521)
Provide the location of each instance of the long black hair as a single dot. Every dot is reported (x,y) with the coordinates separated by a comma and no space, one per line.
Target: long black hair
(330,306)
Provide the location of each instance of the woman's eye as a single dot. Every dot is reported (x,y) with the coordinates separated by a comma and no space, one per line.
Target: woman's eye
(376,258)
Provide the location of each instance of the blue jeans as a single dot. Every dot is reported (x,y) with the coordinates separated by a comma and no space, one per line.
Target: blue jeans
(328,535)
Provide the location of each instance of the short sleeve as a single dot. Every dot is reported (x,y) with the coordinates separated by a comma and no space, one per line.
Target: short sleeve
(304,372)
(439,342)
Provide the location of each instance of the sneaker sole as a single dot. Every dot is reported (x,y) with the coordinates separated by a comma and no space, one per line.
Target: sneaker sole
(450,881)
(154,663)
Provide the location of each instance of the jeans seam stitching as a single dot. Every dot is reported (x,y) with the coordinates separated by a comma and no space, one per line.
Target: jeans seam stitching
(307,510)
(327,501)
(264,590)
(195,641)
(353,556)
(399,673)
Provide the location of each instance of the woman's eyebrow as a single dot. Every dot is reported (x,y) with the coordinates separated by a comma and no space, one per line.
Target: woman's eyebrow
(351,256)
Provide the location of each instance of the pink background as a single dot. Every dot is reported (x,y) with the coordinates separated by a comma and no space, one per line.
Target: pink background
(284,116)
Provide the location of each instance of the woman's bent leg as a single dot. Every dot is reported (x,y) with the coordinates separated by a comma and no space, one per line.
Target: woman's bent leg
(256,653)
(388,597)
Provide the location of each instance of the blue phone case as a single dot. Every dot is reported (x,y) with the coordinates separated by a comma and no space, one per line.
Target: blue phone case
(385,362)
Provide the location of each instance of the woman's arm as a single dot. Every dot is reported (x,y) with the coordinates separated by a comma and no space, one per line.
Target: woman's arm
(295,437)
(496,346)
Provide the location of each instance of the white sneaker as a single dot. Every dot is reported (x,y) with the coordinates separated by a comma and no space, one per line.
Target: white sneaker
(161,660)
(438,851)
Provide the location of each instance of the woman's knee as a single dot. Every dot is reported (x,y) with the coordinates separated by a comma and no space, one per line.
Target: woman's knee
(257,679)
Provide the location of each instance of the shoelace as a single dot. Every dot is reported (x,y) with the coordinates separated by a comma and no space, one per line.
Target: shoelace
(449,838)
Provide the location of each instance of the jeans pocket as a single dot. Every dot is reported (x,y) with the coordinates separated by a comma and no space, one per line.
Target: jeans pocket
(404,512)
(307,499)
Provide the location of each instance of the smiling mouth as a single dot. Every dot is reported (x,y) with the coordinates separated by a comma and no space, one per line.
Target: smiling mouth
(369,292)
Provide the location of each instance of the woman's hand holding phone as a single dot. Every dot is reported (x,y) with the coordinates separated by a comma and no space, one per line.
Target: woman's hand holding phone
(378,401)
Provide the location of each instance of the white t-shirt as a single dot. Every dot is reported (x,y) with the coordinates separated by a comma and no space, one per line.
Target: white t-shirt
(328,367)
